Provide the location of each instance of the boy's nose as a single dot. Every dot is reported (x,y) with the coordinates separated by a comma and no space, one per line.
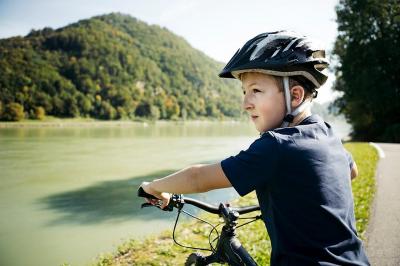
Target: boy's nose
(247,105)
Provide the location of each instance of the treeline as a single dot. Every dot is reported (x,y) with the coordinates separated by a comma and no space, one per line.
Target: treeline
(368,72)
(111,67)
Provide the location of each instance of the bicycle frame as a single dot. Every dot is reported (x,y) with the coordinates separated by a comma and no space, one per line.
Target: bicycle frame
(228,249)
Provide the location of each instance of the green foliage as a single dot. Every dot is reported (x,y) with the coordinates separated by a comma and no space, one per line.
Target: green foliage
(143,109)
(107,111)
(108,66)
(40,113)
(367,48)
(13,112)
(392,133)
(160,250)
(366,158)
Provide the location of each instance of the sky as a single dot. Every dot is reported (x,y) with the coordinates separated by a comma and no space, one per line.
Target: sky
(216,27)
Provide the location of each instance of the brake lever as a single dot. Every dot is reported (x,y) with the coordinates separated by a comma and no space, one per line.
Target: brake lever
(144,205)
(175,201)
(167,208)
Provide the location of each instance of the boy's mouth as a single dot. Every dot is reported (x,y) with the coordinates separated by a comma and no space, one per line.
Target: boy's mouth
(253,117)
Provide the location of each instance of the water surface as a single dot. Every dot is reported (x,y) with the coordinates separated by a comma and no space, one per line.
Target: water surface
(68,194)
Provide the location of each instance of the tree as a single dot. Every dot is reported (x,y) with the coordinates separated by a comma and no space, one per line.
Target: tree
(154,113)
(107,111)
(143,109)
(40,113)
(171,106)
(367,72)
(108,67)
(13,112)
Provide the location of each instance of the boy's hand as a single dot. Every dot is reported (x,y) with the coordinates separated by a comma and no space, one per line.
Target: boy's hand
(162,197)
(354,171)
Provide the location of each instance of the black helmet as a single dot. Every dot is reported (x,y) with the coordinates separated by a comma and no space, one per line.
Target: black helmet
(280,53)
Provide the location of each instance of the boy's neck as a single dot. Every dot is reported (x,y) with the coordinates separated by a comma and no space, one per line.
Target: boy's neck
(300,117)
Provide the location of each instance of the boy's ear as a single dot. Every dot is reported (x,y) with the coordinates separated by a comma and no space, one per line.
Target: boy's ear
(297,92)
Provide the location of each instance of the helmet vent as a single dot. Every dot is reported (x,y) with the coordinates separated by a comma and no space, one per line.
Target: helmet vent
(319,54)
(320,67)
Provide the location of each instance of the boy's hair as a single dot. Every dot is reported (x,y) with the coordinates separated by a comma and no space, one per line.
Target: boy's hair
(309,89)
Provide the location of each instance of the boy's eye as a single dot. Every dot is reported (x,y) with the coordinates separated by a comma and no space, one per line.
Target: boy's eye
(256,90)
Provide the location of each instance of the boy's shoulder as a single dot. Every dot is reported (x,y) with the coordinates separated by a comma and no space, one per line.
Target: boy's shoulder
(312,124)
(312,134)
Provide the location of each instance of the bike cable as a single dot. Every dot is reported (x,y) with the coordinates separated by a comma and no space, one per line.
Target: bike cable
(254,218)
(193,216)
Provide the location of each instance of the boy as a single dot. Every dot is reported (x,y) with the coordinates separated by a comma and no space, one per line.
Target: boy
(298,167)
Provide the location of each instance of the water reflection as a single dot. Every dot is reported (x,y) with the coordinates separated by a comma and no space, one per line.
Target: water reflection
(160,129)
(114,201)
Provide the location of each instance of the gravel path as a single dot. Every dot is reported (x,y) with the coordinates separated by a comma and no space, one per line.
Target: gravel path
(383,233)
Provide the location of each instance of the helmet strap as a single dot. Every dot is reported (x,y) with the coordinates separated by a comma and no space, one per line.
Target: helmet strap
(289,117)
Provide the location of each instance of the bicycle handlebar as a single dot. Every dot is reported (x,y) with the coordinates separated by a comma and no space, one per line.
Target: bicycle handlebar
(178,199)
(144,194)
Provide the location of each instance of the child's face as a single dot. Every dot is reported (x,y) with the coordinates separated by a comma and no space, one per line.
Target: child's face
(263,100)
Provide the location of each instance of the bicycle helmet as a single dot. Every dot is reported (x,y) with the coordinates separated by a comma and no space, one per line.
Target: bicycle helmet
(281,53)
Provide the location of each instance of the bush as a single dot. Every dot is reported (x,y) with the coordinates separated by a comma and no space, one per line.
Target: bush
(13,112)
(154,113)
(107,111)
(40,113)
(121,113)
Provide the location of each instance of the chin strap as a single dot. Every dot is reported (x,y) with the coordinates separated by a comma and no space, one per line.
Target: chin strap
(290,115)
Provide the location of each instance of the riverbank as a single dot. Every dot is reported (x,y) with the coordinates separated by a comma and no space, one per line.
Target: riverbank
(89,122)
(160,249)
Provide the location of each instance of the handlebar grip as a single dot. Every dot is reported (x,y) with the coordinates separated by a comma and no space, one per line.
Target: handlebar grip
(144,194)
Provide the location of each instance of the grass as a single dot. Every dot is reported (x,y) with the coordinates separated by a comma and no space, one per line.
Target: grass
(364,185)
(160,249)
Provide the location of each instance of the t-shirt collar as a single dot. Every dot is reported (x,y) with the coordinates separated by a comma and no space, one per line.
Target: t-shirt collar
(312,119)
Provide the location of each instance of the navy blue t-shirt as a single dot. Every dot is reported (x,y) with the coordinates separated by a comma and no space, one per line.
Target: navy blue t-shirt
(301,176)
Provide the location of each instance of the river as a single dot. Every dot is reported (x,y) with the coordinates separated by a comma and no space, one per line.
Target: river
(67,194)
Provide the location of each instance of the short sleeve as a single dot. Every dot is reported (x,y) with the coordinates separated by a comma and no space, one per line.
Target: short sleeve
(349,158)
(253,167)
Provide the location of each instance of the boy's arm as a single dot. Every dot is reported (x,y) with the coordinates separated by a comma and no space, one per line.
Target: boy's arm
(352,164)
(193,179)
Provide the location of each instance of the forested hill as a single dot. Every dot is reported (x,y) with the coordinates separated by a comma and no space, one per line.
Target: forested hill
(110,67)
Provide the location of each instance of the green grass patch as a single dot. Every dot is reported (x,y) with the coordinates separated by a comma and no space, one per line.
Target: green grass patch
(364,186)
(160,249)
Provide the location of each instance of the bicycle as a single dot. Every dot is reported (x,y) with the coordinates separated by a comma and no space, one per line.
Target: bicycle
(228,248)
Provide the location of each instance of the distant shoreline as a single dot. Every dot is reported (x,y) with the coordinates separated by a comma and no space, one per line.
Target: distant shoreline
(61,123)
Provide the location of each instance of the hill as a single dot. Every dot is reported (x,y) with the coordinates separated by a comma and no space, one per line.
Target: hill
(111,67)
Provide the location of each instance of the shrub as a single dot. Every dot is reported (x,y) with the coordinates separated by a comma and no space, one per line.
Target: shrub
(107,111)
(13,112)
(40,113)
(154,113)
